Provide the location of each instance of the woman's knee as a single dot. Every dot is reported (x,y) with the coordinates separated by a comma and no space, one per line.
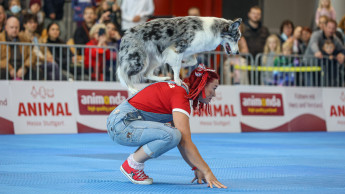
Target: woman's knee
(177,136)
(173,137)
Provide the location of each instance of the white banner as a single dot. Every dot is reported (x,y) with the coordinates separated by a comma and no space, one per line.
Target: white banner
(262,108)
(334,107)
(94,101)
(43,107)
(6,122)
(305,109)
(79,107)
(224,114)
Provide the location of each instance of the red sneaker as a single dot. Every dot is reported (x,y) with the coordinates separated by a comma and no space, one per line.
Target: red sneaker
(136,176)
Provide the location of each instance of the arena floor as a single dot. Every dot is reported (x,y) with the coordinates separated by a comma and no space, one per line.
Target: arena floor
(312,162)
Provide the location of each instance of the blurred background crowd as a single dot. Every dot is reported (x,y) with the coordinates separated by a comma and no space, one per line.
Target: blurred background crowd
(98,24)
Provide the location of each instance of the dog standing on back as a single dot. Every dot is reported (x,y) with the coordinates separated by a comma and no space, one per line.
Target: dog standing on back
(173,41)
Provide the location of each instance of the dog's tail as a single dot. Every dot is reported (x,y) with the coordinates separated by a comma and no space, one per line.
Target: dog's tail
(125,79)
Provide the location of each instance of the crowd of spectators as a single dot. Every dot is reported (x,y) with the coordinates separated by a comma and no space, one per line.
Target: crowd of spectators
(286,48)
(102,23)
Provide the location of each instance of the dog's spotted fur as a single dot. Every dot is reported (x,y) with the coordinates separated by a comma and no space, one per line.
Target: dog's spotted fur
(171,41)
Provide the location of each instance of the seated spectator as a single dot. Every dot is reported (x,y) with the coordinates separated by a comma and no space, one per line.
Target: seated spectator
(317,39)
(54,11)
(329,64)
(305,37)
(296,41)
(109,10)
(5,3)
(45,59)
(35,9)
(82,33)
(286,30)
(12,56)
(79,7)
(2,18)
(94,57)
(322,22)
(14,9)
(113,40)
(271,50)
(62,56)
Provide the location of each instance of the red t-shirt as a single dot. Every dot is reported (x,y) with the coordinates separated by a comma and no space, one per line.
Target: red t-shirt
(163,98)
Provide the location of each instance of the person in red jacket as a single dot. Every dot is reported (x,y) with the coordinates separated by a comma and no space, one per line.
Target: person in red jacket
(143,121)
(94,57)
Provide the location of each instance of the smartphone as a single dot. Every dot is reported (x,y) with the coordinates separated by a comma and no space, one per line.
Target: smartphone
(101,31)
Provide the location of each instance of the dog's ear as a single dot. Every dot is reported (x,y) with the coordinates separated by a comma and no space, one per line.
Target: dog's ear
(235,24)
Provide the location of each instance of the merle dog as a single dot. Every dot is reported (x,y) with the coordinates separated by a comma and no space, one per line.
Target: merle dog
(173,41)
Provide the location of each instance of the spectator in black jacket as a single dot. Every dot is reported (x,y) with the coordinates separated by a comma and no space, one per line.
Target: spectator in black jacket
(255,34)
(81,35)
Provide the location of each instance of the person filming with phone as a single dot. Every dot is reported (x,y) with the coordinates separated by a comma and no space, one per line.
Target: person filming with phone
(94,59)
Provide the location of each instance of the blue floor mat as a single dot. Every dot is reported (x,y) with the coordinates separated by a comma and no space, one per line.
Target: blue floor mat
(312,162)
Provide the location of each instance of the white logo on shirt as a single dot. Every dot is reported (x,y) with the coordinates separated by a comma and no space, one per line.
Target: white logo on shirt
(171,85)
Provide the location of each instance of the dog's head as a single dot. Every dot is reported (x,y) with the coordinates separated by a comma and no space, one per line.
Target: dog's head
(231,35)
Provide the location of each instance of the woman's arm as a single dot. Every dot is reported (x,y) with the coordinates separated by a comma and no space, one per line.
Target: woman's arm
(190,152)
(187,148)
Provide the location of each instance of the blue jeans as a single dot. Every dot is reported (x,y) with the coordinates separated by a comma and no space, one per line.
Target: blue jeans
(129,126)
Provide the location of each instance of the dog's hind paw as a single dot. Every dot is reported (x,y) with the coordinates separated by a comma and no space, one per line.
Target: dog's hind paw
(158,79)
(133,90)
(178,82)
(166,78)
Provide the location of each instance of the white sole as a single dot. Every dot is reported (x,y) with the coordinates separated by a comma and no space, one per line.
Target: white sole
(149,181)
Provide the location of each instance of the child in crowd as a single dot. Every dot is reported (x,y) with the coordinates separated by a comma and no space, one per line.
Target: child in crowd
(271,50)
(285,78)
(325,8)
(329,63)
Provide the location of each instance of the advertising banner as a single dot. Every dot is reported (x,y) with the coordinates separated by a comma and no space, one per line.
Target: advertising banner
(94,102)
(223,116)
(334,107)
(304,109)
(6,122)
(262,109)
(42,107)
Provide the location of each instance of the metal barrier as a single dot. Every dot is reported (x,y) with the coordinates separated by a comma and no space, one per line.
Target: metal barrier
(298,70)
(57,62)
(93,63)
(224,65)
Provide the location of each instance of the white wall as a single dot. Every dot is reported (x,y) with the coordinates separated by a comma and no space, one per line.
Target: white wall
(300,12)
(339,6)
